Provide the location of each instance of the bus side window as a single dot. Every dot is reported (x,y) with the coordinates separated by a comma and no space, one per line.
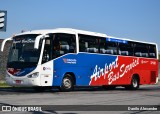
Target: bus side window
(63,44)
(152,51)
(141,50)
(111,48)
(103,47)
(125,49)
(88,44)
(64,47)
(82,46)
(107,47)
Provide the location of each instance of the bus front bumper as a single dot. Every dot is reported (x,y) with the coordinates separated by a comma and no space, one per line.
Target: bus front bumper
(22,81)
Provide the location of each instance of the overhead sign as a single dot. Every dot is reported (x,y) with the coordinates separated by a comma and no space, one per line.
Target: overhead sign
(116,40)
(3,20)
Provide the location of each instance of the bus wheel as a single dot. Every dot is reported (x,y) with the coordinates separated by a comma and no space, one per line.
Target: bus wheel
(134,83)
(67,83)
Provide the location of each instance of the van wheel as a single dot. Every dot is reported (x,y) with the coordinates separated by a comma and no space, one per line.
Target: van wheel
(67,83)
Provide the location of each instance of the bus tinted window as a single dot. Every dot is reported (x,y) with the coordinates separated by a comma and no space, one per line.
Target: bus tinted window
(63,43)
(126,49)
(94,44)
(112,46)
(88,44)
(141,50)
(152,51)
(107,47)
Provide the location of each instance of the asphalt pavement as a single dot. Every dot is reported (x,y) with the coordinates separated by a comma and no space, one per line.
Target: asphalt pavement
(88,100)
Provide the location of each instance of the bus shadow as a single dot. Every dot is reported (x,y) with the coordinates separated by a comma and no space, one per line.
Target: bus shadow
(9,90)
(90,89)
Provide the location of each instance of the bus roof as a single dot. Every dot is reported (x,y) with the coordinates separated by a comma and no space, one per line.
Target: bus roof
(74,31)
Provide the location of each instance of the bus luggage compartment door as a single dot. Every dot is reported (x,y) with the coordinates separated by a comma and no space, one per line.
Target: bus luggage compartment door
(46,80)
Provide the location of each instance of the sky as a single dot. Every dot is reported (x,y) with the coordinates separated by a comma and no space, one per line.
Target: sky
(132,19)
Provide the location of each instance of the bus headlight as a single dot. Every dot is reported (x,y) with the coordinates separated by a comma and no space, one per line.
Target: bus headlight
(34,75)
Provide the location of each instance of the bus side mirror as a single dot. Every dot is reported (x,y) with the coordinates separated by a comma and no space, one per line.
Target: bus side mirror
(36,44)
(4,42)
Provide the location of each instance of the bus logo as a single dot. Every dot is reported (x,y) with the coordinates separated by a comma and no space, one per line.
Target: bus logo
(113,71)
(70,61)
(65,60)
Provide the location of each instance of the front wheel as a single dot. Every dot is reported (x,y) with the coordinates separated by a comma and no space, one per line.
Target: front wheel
(67,83)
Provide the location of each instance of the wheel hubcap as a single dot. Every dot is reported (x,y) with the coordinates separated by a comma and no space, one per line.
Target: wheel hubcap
(67,83)
(135,84)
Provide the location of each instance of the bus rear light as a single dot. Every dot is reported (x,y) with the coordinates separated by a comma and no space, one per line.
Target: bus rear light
(34,75)
(157,79)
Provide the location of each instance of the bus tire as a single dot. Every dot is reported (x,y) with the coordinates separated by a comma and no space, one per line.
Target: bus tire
(134,83)
(67,83)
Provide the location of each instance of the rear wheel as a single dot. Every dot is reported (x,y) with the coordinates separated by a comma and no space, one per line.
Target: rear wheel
(67,83)
(134,83)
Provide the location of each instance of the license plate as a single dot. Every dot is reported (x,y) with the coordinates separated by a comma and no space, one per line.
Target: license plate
(18,81)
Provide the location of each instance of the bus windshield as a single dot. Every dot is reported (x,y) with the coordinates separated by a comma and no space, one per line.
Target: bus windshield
(22,53)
